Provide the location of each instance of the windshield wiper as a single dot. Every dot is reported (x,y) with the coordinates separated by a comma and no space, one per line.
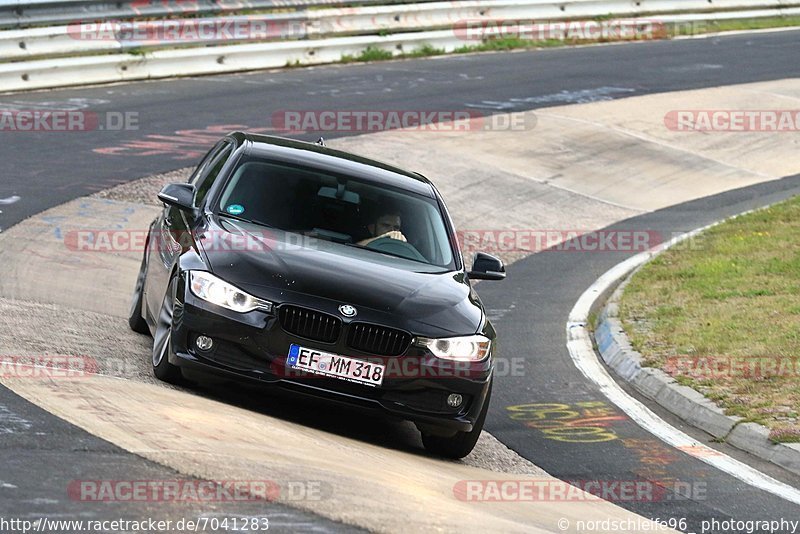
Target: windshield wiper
(364,247)
(242,219)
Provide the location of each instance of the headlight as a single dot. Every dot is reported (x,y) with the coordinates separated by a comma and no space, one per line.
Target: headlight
(208,287)
(462,349)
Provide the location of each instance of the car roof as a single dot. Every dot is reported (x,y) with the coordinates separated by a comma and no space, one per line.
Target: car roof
(336,161)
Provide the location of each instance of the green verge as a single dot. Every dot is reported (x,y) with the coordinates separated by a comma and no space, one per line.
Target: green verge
(721,314)
(752,24)
(371,53)
(499,44)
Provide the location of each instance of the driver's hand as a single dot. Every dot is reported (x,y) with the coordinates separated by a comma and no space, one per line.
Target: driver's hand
(395,234)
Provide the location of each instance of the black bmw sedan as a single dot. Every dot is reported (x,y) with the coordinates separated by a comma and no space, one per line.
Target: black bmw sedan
(291,264)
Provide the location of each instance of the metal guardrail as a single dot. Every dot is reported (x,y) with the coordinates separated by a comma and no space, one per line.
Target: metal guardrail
(18,13)
(58,56)
(77,38)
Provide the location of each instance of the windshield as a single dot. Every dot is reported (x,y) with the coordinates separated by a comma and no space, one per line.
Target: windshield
(341,209)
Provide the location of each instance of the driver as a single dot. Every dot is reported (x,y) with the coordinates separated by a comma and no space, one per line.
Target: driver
(386,225)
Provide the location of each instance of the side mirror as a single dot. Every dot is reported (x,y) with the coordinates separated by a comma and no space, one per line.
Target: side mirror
(180,196)
(487,267)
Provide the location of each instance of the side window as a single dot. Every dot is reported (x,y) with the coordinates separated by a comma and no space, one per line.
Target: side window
(206,177)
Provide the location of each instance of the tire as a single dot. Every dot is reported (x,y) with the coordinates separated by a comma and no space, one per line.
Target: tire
(162,340)
(462,443)
(135,319)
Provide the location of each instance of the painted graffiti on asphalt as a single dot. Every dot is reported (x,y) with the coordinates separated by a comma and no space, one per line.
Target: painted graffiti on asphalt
(182,145)
(580,422)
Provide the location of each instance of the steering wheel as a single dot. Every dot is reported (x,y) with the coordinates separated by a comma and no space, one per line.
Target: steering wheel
(397,248)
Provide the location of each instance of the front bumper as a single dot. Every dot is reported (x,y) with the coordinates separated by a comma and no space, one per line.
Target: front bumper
(253,347)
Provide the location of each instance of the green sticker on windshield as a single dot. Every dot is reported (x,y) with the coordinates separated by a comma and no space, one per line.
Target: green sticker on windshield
(235,209)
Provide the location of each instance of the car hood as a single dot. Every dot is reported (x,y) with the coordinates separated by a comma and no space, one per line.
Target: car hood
(285,267)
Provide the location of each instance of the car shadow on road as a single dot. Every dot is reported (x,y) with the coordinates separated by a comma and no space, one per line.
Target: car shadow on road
(336,418)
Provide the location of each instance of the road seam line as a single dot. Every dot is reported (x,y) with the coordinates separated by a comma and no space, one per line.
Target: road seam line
(657,142)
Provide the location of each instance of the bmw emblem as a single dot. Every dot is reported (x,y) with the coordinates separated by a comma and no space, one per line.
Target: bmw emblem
(347,310)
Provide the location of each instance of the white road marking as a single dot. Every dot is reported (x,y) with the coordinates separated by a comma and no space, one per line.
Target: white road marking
(579,344)
(695,67)
(70,104)
(496,314)
(8,201)
(11,423)
(41,500)
(583,96)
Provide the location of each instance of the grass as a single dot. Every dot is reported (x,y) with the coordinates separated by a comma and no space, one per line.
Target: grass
(425,50)
(593,319)
(785,435)
(370,53)
(137,51)
(752,24)
(373,53)
(724,317)
(509,43)
(499,44)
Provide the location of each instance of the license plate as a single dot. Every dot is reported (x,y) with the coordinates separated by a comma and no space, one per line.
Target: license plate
(334,365)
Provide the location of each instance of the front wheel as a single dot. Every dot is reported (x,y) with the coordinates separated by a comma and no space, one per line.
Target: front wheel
(162,340)
(462,443)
